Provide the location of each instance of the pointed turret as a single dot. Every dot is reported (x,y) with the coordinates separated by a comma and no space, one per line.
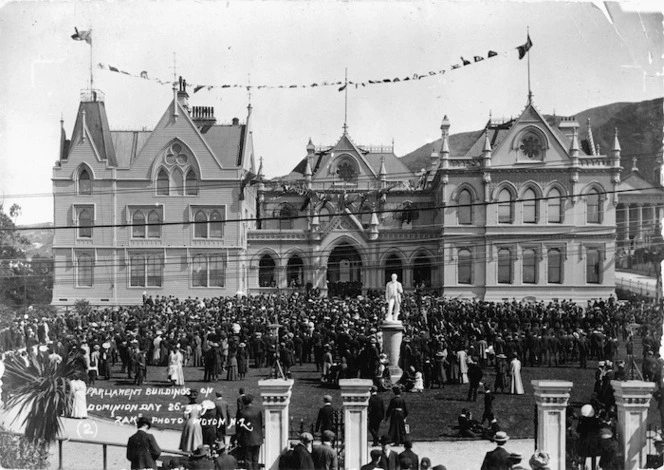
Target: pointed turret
(307,173)
(373,226)
(308,170)
(260,174)
(591,140)
(382,173)
(615,151)
(64,143)
(444,153)
(486,151)
(574,147)
(91,121)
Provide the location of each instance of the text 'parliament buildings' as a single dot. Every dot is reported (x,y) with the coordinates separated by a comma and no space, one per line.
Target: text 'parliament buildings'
(519,211)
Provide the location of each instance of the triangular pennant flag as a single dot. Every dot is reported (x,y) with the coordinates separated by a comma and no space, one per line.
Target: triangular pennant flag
(387,80)
(456,66)
(525,48)
(492,54)
(82,36)
(144,75)
(342,88)
(198,88)
(432,73)
(396,79)
(112,69)
(477,58)
(465,62)
(102,66)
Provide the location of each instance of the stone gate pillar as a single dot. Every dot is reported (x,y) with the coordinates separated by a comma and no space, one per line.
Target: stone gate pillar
(633,400)
(355,395)
(392,337)
(551,397)
(276,394)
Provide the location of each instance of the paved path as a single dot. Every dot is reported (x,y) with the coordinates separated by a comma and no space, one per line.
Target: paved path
(637,283)
(455,455)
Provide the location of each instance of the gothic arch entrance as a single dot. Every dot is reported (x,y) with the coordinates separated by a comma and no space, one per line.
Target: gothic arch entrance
(344,272)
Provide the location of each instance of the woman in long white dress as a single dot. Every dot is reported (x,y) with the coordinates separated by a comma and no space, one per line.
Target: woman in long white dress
(79,407)
(516,385)
(192,432)
(462,356)
(175,360)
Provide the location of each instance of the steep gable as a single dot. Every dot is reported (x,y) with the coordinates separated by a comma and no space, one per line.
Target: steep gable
(182,128)
(346,150)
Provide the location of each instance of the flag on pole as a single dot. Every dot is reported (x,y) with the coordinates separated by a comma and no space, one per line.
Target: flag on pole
(525,48)
(82,36)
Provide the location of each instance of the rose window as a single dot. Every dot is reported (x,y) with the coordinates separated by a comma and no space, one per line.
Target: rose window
(346,171)
(174,155)
(531,147)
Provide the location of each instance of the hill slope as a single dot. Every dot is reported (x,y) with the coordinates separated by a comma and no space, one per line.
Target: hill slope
(639,129)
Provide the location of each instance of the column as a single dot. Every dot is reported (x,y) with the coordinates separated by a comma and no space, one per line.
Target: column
(355,395)
(392,336)
(551,397)
(653,216)
(639,221)
(626,222)
(633,400)
(276,394)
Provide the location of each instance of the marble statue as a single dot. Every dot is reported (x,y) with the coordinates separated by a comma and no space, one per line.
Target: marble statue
(393,293)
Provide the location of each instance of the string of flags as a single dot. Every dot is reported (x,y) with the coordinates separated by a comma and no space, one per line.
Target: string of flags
(342,85)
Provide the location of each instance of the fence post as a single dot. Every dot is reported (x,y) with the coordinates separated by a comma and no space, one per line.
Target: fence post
(633,401)
(60,454)
(551,397)
(355,395)
(104,450)
(276,394)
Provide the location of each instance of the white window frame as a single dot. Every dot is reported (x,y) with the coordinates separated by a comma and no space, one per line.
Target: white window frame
(145,276)
(208,209)
(207,257)
(146,209)
(77,254)
(77,209)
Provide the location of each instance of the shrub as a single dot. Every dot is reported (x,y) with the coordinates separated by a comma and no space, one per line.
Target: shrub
(17,452)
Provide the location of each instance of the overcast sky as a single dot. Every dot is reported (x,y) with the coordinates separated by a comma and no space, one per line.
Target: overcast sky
(584,55)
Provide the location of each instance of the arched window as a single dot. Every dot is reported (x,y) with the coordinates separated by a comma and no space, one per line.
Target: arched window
(200,227)
(217,271)
(192,183)
(593,266)
(504,266)
(295,271)
(505,207)
(162,183)
(138,225)
(593,207)
(266,268)
(199,271)
(137,271)
(85,274)
(286,215)
(178,182)
(554,266)
(154,271)
(529,266)
(84,183)
(465,208)
(393,265)
(85,224)
(154,227)
(216,225)
(529,207)
(554,203)
(465,266)
(324,215)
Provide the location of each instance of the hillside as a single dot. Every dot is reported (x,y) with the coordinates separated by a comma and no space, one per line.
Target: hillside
(639,129)
(40,237)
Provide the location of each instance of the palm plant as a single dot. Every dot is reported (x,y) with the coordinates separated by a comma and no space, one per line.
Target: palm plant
(41,391)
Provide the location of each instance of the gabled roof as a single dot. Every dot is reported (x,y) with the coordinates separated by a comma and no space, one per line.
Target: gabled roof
(127,145)
(634,184)
(226,141)
(97,125)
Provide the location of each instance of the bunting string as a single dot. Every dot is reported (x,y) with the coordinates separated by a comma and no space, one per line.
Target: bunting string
(341,85)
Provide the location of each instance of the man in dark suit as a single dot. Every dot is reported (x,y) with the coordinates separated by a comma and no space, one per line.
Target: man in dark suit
(223,461)
(498,459)
(389,460)
(409,455)
(375,460)
(223,415)
(301,456)
(249,431)
(375,413)
(142,449)
(240,399)
(323,455)
(325,420)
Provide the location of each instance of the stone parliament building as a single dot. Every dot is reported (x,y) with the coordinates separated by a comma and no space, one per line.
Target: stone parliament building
(520,211)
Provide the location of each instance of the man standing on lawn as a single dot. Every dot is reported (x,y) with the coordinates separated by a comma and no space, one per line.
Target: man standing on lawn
(498,459)
(142,448)
(375,414)
(249,432)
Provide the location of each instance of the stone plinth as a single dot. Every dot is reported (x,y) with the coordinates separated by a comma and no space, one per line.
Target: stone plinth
(355,395)
(633,400)
(392,337)
(551,397)
(276,394)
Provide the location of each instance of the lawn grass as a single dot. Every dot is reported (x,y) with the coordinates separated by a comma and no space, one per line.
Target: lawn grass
(432,413)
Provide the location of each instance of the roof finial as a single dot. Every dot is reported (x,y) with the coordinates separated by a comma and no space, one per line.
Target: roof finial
(634,167)
(346,102)
(591,140)
(530,92)
(249,90)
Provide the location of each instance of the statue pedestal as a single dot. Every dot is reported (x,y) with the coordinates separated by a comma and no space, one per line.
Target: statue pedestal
(633,401)
(392,336)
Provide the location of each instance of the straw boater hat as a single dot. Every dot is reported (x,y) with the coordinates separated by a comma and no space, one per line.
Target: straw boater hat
(539,461)
(501,437)
(587,411)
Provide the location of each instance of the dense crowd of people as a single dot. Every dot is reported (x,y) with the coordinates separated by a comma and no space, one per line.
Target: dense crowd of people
(446,341)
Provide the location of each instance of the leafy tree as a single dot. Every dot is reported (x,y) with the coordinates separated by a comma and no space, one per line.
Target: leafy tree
(13,264)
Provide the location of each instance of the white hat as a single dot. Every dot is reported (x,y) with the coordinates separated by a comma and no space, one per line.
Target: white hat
(587,411)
